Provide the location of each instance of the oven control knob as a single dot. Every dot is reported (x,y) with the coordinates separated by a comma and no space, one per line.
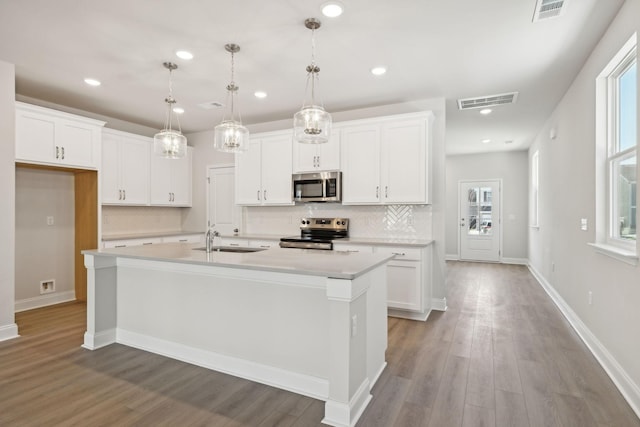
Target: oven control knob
(303,222)
(343,222)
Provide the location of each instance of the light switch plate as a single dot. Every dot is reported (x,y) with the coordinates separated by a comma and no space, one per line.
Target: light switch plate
(583,224)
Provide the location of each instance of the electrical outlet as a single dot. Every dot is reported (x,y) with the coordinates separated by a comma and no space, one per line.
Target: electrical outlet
(583,224)
(47,286)
(354,325)
(49,220)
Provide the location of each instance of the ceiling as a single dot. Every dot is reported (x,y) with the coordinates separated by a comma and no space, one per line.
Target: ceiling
(452,49)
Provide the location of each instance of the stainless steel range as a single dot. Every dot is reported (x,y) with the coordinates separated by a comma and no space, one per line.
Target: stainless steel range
(317,233)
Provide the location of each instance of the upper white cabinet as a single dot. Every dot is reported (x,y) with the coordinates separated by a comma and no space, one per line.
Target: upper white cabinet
(51,137)
(387,160)
(317,157)
(171,180)
(124,175)
(263,173)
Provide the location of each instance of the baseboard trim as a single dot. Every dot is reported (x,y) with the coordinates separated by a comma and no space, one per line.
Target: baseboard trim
(8,332)
(411,315)
(452,257)
(339,414)
(44,300)
(307,385)
(439,304)
(516,261)
(99,340)
(628,388)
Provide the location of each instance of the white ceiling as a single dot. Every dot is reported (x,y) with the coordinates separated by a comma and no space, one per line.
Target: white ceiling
(447,48)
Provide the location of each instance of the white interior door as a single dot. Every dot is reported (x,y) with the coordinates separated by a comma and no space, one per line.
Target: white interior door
(479,220)
(222,213)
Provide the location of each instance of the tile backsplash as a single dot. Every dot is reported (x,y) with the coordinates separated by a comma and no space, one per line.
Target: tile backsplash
(391,221)
(140,219)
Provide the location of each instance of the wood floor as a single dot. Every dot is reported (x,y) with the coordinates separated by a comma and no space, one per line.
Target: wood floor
(502,355)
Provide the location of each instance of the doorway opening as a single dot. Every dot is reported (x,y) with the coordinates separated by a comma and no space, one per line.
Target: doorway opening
(479,219)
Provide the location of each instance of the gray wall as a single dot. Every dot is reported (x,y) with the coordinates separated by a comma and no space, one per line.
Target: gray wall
(559,250)
(512,168)
(39,194)
(8,328)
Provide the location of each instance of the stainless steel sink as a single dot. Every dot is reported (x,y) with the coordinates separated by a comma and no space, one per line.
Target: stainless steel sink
(230,249)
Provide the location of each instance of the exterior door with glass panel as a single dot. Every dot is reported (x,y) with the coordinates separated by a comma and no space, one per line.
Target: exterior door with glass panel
(479,220)
(222,213)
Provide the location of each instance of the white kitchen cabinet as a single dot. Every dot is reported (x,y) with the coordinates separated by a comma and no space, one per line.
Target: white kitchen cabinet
(386,160)
(234,241)
(51,137)
(171,180)
(123,243)
(361,164)
(317,157)
(264,244)
(184,238)
(263,173)
(124,175)
(346,247)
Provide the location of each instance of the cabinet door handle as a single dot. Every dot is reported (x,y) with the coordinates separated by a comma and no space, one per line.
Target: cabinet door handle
(259,195)
(119,194)
(377,192)
(62,150)
(386,192)
(57,152)
(318,161)
(124,194)
(264,194)
(173,197)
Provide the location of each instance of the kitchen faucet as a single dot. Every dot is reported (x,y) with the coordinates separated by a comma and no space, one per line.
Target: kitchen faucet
(209,238)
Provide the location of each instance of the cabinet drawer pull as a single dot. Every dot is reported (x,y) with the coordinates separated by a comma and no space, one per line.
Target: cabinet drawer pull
(147,243)
(265,246)
(234,244)
(183,240)
(120,246)
(399,253)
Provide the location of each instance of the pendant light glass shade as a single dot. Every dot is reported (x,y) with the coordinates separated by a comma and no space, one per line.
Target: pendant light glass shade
(170,143)
(312,124)
(230,136)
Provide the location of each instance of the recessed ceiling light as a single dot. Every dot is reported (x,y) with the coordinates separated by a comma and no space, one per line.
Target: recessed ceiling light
(486,111)
(332,9)
(486,141)
(183,54)
(178,110)
(92,82)
(260,94)
(378,71)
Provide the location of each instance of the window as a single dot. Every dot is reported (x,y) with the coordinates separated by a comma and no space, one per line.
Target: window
(622,150)
(617,155)
(534,189)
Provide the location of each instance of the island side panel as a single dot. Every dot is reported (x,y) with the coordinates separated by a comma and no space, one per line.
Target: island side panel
(264,326)
(101,301)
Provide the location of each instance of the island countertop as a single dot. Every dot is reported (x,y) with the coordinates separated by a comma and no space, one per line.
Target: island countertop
(334,264)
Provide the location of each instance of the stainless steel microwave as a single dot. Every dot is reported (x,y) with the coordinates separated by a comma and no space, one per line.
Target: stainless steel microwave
(317,187)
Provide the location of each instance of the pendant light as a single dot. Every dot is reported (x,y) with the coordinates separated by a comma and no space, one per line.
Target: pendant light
(230,136)
(170,143)
(312,124)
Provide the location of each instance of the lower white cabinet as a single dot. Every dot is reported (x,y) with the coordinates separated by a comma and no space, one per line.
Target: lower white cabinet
(184,238)
(408,277)
(233,241)
(124,243)
(264,244)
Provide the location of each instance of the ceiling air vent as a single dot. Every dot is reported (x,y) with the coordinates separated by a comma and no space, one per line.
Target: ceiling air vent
(487,101)
(548,9)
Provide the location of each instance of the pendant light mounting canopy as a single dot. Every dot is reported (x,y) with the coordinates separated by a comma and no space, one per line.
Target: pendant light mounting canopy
(170,143)
(230,135)
(312,124)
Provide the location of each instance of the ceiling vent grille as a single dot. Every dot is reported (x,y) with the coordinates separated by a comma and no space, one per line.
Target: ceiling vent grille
(548,9)
(487,101)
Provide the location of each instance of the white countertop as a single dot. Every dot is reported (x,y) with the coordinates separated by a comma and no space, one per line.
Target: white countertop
(339,265)
(383,241)
(126,236)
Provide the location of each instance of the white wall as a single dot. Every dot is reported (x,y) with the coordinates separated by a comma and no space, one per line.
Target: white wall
(40,194)
(8,328)
(512,168)
(270,219)
(567,194)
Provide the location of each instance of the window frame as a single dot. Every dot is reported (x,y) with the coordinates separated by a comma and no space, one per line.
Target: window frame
(619,65)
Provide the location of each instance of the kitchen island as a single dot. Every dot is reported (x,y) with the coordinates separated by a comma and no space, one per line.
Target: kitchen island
(311,322)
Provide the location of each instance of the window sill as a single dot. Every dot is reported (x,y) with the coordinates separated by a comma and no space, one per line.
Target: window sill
(623,255)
